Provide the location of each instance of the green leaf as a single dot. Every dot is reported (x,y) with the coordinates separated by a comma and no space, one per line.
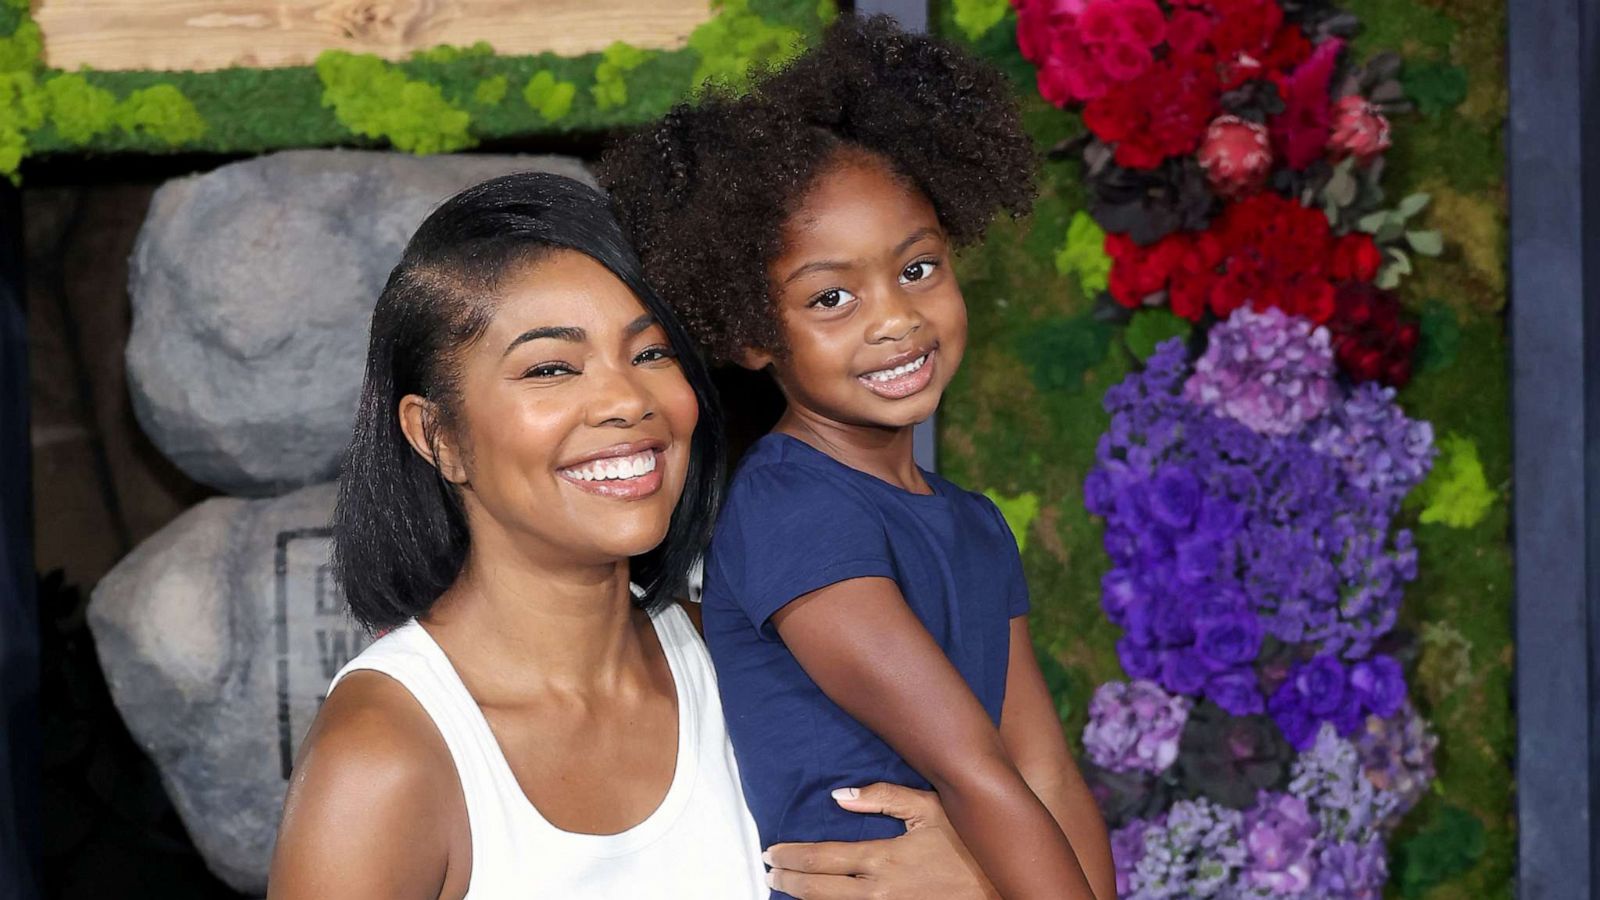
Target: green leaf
(1150,328)
(1427,243)
(1456,493)
(1019,513)
(976,17)
(1434,86)
(1412,205)
(1393,229)
(1441,337)
(1371,222)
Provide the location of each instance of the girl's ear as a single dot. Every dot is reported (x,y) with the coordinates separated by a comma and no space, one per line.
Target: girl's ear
(419,420)
(754,359)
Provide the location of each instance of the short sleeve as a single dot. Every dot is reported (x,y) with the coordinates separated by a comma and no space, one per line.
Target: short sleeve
(1016,583)
(790,529)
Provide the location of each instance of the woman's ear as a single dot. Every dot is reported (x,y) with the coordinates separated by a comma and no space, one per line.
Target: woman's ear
(419,419)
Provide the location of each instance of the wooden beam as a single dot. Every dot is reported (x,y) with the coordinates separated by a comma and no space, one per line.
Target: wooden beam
(203,35)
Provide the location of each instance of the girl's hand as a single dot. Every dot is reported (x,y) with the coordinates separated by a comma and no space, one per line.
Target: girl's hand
(929,860)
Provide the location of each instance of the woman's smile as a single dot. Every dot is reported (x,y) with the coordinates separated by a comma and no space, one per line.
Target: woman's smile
(623,472)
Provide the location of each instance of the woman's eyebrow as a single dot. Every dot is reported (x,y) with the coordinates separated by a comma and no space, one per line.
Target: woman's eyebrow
(640,324)
(569,333)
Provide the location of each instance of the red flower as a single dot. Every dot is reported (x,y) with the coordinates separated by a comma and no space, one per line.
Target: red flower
(1358,130)
(1082,47)
(1301,131)
(1162,113)
(1356,258)
(1236,155)
(1371,341)
(1137,272)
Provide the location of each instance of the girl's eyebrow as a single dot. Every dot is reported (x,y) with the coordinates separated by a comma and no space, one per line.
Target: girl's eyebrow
(834,265)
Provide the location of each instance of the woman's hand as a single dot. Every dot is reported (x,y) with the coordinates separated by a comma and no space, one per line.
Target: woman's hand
(929,860)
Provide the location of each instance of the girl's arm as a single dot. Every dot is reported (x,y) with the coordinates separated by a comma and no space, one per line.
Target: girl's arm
(1031,731)
(870,654)
(366,811)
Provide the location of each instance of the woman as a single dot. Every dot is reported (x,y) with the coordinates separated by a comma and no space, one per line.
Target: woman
(534,434)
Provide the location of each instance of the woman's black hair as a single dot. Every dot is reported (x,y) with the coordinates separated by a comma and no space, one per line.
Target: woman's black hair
(705,193)
(399,530)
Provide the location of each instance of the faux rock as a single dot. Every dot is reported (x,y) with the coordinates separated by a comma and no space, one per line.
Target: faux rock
(219,636)
(252,287)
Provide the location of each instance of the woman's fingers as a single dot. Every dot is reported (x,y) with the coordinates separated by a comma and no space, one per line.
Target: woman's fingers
(807,886)
(910,805)
(829,857)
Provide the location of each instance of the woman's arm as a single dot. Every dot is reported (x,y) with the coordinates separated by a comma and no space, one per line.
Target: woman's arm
(1031,730)
(870,654)
(374,805)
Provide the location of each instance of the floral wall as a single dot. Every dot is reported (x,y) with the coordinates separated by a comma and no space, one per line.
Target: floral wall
(1240,386)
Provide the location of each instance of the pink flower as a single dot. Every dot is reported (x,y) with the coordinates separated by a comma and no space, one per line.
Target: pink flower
(1236,155)
(1359,130)
(1188,30)
(1124,61)
(1301,131)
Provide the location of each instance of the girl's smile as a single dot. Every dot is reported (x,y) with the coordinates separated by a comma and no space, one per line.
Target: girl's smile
(902,377)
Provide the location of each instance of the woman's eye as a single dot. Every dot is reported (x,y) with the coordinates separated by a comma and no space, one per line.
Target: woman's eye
(918,270)
(654,354)
(549,370)
(832,298)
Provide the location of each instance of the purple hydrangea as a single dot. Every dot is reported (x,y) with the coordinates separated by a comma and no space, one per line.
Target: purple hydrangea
(1346,804)
(1352,870)
(1397,757)
(1134,727)
(1192,850)
(1281,838)
(1270,371)
(1383,452)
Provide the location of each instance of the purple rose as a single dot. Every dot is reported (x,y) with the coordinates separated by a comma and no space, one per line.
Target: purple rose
(1380,683)
(1299,727)
(1138,661)
(1099,493)
(1171,622)
(1197,559)
(1119,592)
(1174,497)
(1182,672)
(1130,508)
(1321,683)
(1228,640)
(1219,517)
(1351,717)
(1120,546)
(1236,691)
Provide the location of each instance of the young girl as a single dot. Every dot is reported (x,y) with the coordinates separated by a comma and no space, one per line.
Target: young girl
(867,619)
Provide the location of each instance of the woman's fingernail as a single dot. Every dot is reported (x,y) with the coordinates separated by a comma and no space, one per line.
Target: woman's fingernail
(846,793)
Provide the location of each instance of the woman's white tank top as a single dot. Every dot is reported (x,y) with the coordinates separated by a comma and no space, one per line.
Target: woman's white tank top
(700,842)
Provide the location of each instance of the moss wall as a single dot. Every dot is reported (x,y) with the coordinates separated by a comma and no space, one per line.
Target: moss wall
(1023,417)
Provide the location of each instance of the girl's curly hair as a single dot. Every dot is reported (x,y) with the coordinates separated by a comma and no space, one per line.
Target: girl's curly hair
(704,193)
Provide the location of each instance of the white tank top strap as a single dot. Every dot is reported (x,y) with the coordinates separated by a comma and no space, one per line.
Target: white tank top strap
(700,836)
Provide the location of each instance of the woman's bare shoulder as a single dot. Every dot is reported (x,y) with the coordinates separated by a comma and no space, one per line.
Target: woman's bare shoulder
(374,799)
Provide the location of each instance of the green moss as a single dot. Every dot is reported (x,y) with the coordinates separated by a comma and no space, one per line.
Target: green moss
(737,39)
(610,85)
(21,49)
(1058,352)
(976,17)
(1150,328)
(374,99)
(1456,493)
(1435,87)
(491,91)
(78,109)
(1450,844)
(22,109)
(1083,255)
(160,112)
(1019,513)
(1411,28)
(552,98)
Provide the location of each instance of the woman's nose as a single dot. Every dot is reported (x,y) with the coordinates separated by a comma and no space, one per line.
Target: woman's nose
(619,399)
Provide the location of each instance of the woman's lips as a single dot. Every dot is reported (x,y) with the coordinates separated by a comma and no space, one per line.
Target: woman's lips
(919,375)
(629,477)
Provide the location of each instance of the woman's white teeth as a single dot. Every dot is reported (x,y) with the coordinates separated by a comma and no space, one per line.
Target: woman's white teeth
(616,469)
(897,371)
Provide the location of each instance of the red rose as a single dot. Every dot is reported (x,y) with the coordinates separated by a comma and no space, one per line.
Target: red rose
(1371,339)
(1161,113)
(1188,31)
(1356,258)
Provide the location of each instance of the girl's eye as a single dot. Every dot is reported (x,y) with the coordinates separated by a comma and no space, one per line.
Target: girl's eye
(918,270)
(654,354)
(549,370)
(832,298)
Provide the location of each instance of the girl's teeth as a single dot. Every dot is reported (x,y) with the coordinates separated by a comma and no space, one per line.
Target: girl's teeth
(897,371)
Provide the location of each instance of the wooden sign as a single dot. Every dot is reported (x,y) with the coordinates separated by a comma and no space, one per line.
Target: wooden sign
(214,34)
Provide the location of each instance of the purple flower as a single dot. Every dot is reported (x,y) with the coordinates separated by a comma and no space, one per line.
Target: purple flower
(1237,692)
(1280,836)
(1183,672)
(1270,371)
(1134,727)
(1174,497)
(1380,684)
(1137,660)
(1321,684)
(1228,640)
(1352,871)
(1329,777)
(1197,559)
(1172,624)
(1397,757)
(1119,592)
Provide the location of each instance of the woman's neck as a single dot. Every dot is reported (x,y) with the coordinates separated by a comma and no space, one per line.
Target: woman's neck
(885,453)
(524,626)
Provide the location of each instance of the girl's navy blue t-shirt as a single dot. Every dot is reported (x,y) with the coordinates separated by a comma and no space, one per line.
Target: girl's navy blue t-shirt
(797,520)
